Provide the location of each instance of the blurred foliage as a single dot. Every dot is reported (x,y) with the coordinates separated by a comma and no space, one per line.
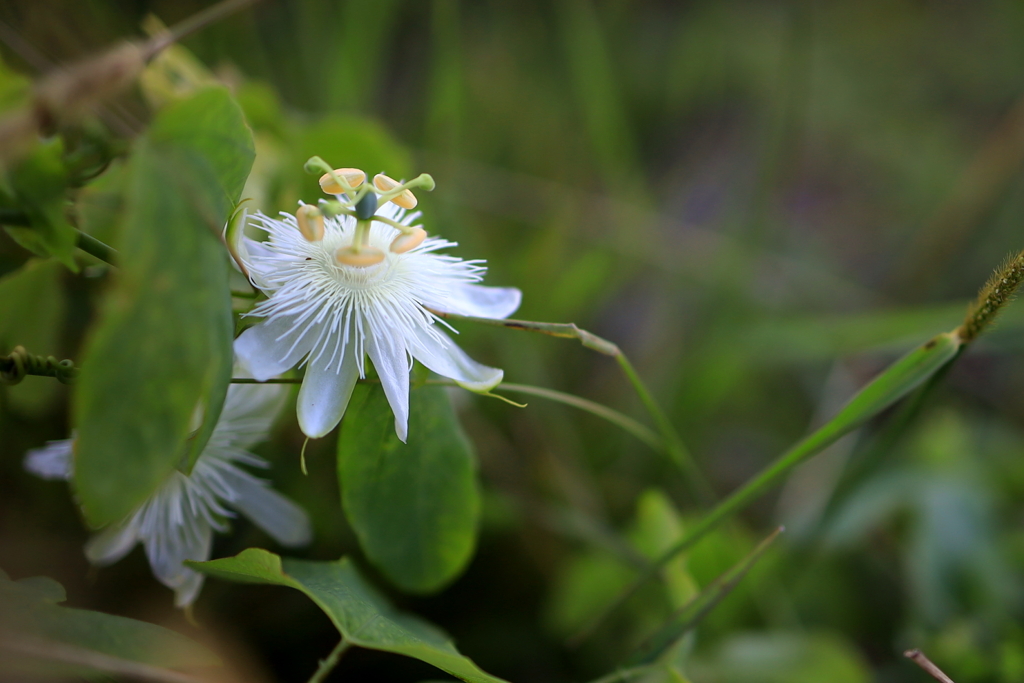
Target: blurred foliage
(762,203)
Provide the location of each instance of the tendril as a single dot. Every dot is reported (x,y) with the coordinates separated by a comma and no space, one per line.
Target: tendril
(19,363)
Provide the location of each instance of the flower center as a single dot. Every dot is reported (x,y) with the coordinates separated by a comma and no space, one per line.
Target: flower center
(354,197)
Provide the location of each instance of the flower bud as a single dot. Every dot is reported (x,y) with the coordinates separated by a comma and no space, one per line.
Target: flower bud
(408,240)
(353,176)
(365,257)
(384,184)
(311,222)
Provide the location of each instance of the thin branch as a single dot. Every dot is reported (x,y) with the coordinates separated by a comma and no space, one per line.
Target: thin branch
(935,672)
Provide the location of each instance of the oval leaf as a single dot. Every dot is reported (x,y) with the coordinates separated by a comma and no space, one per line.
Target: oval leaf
(161,353)
(38,635)
(362,616)
(413,506)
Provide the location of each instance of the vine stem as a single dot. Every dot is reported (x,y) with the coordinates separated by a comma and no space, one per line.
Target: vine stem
(673,442)
(330,661)
(628,424)
(83,241)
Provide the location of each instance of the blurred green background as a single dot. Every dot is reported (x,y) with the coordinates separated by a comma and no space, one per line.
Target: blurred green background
(763,203)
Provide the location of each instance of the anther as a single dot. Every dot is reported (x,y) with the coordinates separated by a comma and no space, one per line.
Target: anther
(311,222)
(353,176)
(404,199)
(364,258)
(408,240)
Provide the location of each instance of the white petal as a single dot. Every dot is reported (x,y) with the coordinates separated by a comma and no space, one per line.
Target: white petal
(249,412)
(325,392)
(480,302)
(268,509)
(170,547)
(391,361)
(247,248)
(53,461)
(449,360)
(113,543)
(274,346)
(188,591)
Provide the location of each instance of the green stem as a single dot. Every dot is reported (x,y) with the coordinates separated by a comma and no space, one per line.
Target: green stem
(676,449)
(86,243)
(615,417)
(674,446)
(330,662)
(94,247)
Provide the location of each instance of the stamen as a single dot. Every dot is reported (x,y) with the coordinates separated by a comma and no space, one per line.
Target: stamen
(408,240)
(361,258)
(352,176)
(311,222)
(404,199)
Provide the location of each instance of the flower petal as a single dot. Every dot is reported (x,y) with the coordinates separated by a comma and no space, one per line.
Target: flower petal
(52,461)
(188,591)
(113,543)
(169,547)
(480,302)
(447,359)
(391,361)
(249,413)
(285,521)
(275,345)
(325,392)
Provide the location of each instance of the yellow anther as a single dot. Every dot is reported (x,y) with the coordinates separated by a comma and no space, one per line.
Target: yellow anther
(353,176)
(311,222)
(408,240)
(405,199)
(365,257)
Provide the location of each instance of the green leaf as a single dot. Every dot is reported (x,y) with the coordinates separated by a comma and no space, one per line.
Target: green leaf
(686,618)
(161,352)
(359,612)
(38,636)
(415,507)
(897,381)
(38,186)
(32,305)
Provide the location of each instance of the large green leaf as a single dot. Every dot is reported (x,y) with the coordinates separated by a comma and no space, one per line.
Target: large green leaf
(32,307)
(361,614)
(41,638)
(414,506)
(161,354)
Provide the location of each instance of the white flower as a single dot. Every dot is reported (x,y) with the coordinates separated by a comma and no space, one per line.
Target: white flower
(177,522)
(333,315)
